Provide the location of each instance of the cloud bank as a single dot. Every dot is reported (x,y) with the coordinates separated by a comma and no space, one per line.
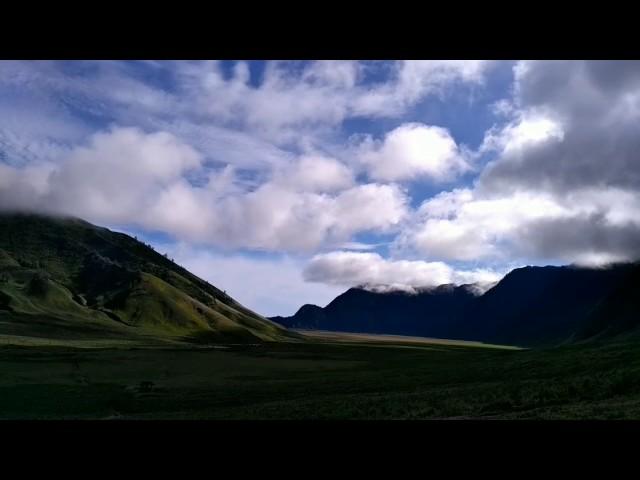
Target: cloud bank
(359,268)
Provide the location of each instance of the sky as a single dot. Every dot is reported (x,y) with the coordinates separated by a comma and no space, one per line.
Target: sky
(287,182)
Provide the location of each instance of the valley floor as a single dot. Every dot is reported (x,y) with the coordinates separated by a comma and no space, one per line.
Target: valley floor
(341,379)
(392,340)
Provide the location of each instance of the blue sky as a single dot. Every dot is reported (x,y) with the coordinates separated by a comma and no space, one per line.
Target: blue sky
(287,182)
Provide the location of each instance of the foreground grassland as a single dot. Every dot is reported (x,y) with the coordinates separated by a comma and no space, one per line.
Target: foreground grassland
(318,380)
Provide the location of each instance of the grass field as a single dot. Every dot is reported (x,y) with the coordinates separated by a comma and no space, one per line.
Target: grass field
(341,379)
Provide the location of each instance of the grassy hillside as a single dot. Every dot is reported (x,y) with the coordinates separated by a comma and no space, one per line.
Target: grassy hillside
(63,277)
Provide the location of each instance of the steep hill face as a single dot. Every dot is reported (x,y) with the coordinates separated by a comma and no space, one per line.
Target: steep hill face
(531,306)
(618,314)
(68,276)
(539,305)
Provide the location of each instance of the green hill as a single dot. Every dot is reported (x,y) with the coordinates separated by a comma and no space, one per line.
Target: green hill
(62,277)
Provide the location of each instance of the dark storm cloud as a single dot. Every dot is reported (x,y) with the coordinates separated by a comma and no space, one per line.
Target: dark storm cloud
(592,156)
(597,105)
(573,87)
(580,239)
(564,184)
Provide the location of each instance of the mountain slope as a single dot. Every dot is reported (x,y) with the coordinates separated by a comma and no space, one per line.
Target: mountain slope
(618,314)
(65,275)
(531,306)
(425,313)
(538,305)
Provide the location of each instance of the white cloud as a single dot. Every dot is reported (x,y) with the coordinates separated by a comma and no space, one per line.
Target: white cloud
(117,174)
(562,183)
(357,246)
(125,176)
(315,173)
(463,225)
(370,207)
(525,132)
(413,150)
(416,79)
(458,226)
(276,218)
(360,268)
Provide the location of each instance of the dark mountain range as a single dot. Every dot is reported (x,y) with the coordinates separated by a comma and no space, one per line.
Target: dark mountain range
(540,305)
(426,313)
(529,306)
(65,277)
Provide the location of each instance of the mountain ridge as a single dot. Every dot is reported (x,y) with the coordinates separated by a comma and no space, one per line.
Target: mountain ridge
(530,306)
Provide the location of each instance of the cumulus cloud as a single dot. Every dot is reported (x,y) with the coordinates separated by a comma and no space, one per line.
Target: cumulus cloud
(413,150)
(116,173)
(458,226)
(590,133)
(563,181)
(585,227)
(360,268)
(519,137)
(276,218)
(126,176)
(315,173)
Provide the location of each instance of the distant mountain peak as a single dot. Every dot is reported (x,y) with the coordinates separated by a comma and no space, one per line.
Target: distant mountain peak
(307,307)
